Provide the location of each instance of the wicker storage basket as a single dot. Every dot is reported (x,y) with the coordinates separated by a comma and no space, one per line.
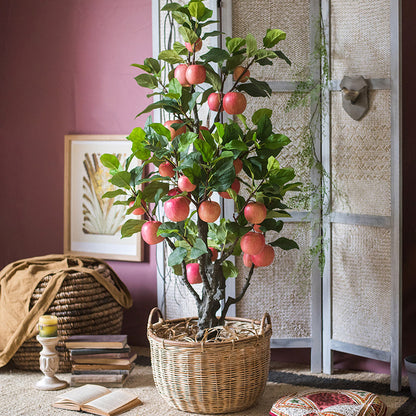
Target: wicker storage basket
(210,378)
(82,306)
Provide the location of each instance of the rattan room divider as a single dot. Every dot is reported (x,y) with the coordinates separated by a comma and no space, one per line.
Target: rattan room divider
(351,301)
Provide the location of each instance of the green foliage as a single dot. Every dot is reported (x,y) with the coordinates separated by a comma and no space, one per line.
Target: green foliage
(206,157)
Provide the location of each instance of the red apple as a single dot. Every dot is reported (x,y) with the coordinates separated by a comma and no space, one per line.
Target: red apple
(166,169)
(177,209)
(180,74)
(252,243)
(238,166)
(185,185)
(196,74)
(264,258)
(192,273)
(173,132)
(139,210)
(209,211)
(235,186)
(194,47)
(255,212)
(214,253)
(149,232)
(247,260)
(239,71)
(234,102)
(214,101)
(202,128)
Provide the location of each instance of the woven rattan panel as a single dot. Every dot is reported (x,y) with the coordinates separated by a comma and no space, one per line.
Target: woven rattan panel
(360,38)
(256,17)
(361,285)
(291,123)
(361,157)
(282,289)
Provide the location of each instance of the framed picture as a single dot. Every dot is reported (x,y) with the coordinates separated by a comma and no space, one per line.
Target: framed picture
(92,224)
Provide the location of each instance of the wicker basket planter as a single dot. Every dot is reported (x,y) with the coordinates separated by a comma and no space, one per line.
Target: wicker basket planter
(82,306)
(210,377)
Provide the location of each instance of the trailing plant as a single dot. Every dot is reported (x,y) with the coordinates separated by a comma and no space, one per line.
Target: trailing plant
(188,163)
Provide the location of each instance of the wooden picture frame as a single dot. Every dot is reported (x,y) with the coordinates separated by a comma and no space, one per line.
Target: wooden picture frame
(92,224)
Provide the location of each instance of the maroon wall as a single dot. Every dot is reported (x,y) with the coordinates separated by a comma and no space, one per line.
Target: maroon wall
(65,68)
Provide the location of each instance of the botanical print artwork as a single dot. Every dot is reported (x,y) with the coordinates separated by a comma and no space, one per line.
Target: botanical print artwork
(100,216)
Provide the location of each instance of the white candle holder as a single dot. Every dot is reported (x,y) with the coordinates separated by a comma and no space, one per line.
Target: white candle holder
(49,363)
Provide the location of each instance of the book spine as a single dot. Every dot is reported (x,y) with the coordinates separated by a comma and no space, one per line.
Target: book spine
(93,372)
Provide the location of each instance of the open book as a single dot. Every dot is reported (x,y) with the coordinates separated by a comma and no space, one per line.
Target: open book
(99,400)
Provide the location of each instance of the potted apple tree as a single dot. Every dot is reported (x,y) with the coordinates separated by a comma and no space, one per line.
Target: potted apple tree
(184,163)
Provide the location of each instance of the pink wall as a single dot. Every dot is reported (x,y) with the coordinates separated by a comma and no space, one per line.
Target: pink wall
(65,68)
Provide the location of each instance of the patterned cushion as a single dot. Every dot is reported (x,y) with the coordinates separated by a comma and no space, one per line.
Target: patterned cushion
(330,403)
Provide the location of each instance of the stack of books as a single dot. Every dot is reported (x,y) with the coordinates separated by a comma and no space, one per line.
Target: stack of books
(100,359)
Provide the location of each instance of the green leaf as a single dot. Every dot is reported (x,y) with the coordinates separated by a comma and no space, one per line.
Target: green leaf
(237,229)
(270,224)
(171,57)
(229,270)
(281,55)
(170,106)
(177,256)
(181,17)
(131,227)
(110,161)
(180,49)
(205,149)
(213,78)
(264,127)
(252,90)
(207,15)
(223,174)
(113,194)
(264,62)
(170,7)
(146,81)
(285,243)
(160,129)
(263,85)
(273,166)
(198,249)
(215,55)
(192,101)
(236,145)
(251,45)
(234,44)
(175,88)
(121,179)
(276,141)
(167,229)
(150,190)
(144,67)
(185,140)
(197,9)
(212,34)
(188,34)
(273,36)
(243,119)
(263,53)
(153,63)
(260,113)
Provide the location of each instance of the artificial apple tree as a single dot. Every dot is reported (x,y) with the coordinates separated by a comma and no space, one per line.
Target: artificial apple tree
(184,163)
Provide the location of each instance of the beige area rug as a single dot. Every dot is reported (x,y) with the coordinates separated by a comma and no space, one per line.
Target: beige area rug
(18,395)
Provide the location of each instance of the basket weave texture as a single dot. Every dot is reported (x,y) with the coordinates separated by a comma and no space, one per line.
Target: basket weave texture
(82,306)
(210,377)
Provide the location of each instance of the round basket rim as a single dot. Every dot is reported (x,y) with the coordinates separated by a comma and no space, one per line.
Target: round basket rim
(267,332)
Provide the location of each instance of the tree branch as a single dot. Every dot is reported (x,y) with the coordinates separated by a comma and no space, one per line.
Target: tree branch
(231,301)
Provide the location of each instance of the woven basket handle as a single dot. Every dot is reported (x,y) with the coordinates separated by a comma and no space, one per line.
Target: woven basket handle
(153,312)
(266,319)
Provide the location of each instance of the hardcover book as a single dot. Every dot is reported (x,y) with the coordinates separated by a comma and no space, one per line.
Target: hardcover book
(100,359)
(96,341)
